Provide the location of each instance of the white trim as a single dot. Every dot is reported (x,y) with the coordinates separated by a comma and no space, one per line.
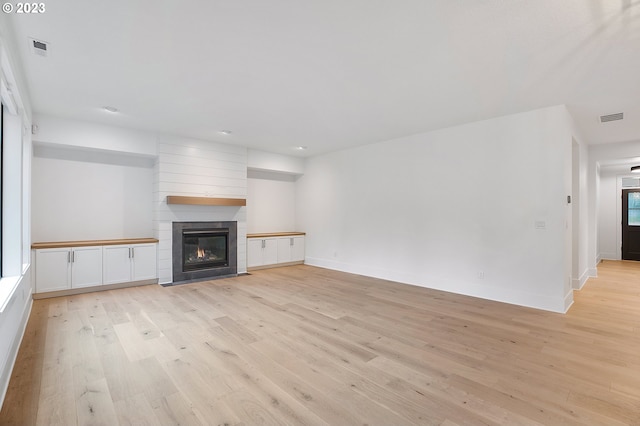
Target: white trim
(578,283)
(486,291)
(12,356)
(568,301)
(5,95)
(609,256)
(8,286)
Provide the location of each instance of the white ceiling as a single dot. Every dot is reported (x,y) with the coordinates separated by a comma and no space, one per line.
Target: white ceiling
(331,74)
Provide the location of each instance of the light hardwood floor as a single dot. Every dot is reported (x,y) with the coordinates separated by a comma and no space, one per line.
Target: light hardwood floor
(302,345)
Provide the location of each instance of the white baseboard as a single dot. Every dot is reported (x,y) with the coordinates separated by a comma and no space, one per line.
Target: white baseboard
(608,256)
(578,283)
(83,290)
(568,301)
(484,291)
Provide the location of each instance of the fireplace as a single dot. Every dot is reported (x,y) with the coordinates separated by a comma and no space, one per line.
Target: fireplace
(204,250)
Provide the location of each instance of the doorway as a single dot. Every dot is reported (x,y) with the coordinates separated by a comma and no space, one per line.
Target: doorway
(631,224)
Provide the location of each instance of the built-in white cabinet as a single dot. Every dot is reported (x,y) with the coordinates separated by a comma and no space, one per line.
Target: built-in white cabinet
(129,262)
(53,269)
(86,267)
(144,262)
(261,251)
(274,249)
(66,268)
(290,249)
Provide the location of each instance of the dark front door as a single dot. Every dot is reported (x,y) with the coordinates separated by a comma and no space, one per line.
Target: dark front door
(631,224)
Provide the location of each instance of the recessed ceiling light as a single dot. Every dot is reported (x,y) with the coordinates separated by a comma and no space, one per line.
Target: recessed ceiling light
(225,132)
(110,109)
(301,148)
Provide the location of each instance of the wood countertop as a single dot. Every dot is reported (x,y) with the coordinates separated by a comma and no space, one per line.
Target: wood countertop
(275,234)
(61,244)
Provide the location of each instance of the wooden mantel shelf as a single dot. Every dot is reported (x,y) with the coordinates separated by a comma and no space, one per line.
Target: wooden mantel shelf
(206,201)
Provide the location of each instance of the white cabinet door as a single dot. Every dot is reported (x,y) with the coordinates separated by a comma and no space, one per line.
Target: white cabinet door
(144,261)
(270,251)
(290,249)
(92,266)
(284,250)
(297,249)
(86,267)
(126,263)
(53,269)
(262,251)
(117,264)
(254,252)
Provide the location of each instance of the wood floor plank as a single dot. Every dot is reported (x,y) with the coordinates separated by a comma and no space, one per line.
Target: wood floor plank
(297,402)
(173,409)
(94,405)
(22,407)
(135,411)
(203,391)
(122,381)
(463,405)
(57,397)
(309,346)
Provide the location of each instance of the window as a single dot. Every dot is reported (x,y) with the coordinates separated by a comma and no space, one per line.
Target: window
(1,173)
(634,209)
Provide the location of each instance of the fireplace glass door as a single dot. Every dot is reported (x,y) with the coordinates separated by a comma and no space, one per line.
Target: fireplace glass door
(205,249)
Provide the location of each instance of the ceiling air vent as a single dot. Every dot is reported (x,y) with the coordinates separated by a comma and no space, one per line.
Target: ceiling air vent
(39,47)
(611,117)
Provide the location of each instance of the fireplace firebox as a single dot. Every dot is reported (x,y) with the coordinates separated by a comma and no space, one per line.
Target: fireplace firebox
(204,250)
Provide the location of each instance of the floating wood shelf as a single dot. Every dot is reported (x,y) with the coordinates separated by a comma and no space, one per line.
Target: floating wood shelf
(206,201)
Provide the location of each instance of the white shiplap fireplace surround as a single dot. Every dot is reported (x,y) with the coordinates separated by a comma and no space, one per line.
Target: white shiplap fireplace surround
(188,167)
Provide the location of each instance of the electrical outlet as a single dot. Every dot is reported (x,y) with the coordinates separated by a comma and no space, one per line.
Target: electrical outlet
(481,275)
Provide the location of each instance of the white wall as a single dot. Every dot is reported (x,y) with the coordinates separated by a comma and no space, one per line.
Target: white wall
(91,181)
(580,193)
(13,321)
(270,162)
(454,209)
(602,197)
(87,195)
(608,224)
(610,210)
(271,191)
(191,167)
(15,284)
(63,132)
(270,202)
(579,167)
